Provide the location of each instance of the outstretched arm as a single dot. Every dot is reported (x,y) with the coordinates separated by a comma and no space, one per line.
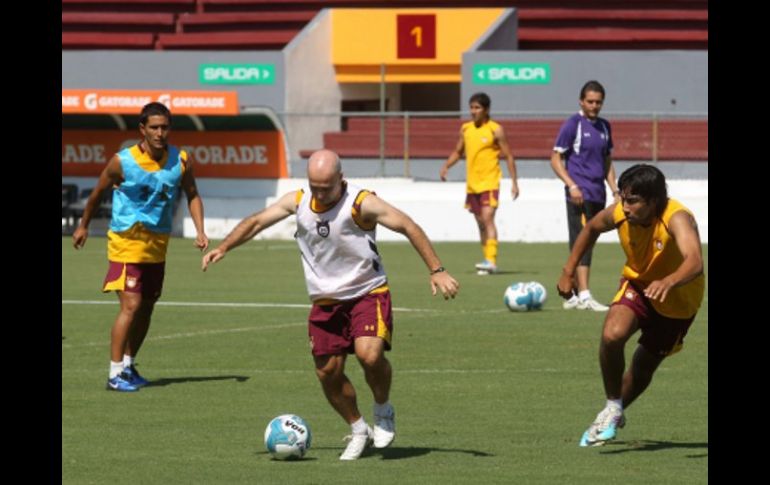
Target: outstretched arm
(683,227)
(194,205)
(111,175)
(453,158)
(251,226)
(601,222)
(505,149)
(376,210)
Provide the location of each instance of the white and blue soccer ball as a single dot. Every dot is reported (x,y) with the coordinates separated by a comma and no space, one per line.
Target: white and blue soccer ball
(538,294)
(522,297)
(287,437)
(517,297)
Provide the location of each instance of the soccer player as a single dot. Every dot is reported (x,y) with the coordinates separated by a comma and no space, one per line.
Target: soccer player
(483,140)
(582,159)
(346,281)
(660,290)
(146,178)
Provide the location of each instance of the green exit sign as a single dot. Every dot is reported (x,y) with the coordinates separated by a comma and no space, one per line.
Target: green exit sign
(236,73)
(512,73)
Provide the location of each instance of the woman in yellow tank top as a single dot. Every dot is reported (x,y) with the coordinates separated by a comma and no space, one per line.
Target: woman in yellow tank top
(483,141)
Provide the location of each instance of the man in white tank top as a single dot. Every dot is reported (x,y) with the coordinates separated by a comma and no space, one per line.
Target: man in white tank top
(346,280)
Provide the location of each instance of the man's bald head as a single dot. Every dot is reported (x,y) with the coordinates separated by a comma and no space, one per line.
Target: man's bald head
(324,175)
(323,164)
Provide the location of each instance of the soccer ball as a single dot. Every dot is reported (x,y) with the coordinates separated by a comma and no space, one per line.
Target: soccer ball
(287,437)
(538,294)
(517,297)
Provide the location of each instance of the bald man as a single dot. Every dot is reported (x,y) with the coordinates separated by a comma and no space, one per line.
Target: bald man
(346,281)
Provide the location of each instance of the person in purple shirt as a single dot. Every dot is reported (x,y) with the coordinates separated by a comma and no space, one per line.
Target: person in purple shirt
(582,159)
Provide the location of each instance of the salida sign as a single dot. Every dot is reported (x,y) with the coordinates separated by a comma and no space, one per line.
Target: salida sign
(222,154)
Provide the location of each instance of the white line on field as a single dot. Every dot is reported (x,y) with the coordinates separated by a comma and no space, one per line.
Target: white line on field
(196,334)
(229,305)
(190,371)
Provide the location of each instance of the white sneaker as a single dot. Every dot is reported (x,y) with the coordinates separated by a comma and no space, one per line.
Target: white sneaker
(571,304)
(357,445)
(591,304)
(486,267)
(384,428)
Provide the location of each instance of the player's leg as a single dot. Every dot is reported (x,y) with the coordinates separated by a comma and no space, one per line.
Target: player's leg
(341,394)
(619,326)
(639,374)
(372,328)
(129,305)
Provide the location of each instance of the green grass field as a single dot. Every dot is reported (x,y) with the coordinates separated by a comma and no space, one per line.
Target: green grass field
(482,395)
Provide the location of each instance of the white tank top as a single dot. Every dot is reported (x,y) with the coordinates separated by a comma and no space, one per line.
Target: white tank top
(339,257)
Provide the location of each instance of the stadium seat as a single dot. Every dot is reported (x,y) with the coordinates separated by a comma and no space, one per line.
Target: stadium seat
(253,40)
(111,40)
(117,22)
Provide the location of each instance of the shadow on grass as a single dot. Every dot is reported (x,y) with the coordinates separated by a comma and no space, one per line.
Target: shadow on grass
(290,460)
(400,453)
(181,380)
(650,445)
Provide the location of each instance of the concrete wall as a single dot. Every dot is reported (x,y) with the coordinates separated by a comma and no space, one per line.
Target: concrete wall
(502,35)
(311,86)
(538,215)
(635,81)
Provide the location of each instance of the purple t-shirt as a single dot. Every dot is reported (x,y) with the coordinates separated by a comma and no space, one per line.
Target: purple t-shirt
(585,145)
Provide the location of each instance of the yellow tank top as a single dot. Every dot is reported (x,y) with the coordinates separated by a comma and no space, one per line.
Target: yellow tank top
(482,155)
(654,255)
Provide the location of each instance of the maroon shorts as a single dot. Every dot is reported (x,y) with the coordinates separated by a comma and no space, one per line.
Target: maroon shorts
(144,278)
(333,328)
(474,202)
(661,335)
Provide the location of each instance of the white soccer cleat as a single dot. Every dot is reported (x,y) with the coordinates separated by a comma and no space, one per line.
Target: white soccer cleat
(571,304)
(357,445)
(488,267)
(384,428)
(591,304)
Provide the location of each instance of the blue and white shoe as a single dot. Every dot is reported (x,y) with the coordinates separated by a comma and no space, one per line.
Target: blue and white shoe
(134,378)
(121,383)
(604,428)
(486,267)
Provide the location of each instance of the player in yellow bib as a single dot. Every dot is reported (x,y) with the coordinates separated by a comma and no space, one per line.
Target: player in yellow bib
(660,290)
(483,140)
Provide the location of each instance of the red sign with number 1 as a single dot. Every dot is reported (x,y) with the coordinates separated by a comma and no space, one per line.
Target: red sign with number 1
(416,36)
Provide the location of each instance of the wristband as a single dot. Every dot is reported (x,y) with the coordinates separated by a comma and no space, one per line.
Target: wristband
(440,269)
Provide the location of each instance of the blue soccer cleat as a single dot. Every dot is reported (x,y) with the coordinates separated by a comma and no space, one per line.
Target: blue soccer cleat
(604,428)
(134,378)
(121,383)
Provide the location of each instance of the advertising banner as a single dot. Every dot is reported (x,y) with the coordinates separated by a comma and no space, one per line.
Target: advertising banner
(216,154)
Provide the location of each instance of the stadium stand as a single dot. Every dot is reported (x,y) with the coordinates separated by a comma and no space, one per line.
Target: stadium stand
(554,25)
(529,139)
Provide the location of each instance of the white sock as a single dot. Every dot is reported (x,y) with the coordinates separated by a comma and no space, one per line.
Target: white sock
(584,295)
(383,409)
(615,403)
(115,368)
(128,361)
(360,426)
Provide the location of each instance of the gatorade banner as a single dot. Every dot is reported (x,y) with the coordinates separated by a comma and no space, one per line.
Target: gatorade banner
(220,154)
(131,101)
